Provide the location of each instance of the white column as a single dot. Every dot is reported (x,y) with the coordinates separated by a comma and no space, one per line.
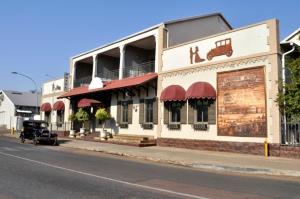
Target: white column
(73,66)
(122,61)
(94,66)
(156,51)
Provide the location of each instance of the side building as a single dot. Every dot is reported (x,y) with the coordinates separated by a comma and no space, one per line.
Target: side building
(55,111)
(17,106)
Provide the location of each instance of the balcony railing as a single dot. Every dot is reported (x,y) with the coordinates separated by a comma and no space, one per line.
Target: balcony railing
(82,81)
(107,74)
(143,68)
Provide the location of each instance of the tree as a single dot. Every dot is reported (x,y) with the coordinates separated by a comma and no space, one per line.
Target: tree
(72,119)
(290,101)
(82,116)
(102,115)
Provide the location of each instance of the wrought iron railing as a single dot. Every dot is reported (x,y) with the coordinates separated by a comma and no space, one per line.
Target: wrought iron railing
(82,81)
(140,69)
(60,126)
(107,74)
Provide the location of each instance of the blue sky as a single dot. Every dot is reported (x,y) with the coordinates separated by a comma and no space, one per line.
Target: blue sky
(38,37)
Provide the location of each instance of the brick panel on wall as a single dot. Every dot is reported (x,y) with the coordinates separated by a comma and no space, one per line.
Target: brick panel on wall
(235,147)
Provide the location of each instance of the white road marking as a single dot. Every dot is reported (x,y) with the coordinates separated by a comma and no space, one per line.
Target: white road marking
(105,178)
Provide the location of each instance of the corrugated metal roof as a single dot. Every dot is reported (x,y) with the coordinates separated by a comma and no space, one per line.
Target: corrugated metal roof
(23,98)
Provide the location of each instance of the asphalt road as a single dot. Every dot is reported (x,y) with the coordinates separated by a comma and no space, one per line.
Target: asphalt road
(28,171)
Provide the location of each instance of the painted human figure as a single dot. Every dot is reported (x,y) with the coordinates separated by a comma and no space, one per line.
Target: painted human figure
(194,56)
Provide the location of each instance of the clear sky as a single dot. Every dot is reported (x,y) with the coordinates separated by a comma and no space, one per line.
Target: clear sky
(38,37)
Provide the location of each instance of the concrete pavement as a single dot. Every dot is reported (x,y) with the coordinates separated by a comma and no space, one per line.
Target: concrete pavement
(220,161)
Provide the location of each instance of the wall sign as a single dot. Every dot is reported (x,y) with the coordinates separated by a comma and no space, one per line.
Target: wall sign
(222,47)
(242,103)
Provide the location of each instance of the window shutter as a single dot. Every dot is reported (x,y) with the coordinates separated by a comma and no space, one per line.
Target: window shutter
(130,112)
(155,110)
(183,114)
(191,115)
(212,113)
(118,112)
(142,111)
(166,113)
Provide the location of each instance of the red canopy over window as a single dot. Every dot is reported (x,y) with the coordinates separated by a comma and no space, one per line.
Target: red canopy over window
(201,90)
(58,106)
(88,103)
(46,107)
(173,93)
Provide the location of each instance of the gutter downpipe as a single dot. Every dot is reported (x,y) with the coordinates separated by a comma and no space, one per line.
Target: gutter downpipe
(283,87)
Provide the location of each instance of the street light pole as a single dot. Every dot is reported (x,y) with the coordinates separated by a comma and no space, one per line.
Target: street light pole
(36,88)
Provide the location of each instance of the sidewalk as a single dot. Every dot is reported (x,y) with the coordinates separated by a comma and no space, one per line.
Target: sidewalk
(220,161)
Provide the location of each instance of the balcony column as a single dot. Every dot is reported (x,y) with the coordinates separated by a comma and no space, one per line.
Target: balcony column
(73,74)
(122,61)
(94,66)
(156,52)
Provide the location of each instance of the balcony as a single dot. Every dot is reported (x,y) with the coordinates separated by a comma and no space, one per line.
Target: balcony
(84,81)
(107,74)
(140,69)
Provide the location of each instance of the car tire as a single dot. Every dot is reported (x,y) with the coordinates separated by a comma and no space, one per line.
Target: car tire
(55,142)
(22,140)
(34,141)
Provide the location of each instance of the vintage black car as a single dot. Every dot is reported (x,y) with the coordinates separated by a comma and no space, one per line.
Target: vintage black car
(36,130)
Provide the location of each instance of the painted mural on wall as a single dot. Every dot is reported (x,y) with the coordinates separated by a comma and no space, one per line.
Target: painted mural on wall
(222,47)
(241,103)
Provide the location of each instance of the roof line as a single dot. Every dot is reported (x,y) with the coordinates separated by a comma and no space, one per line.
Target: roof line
(197,17)
(291,35)
(154,27)
(119,40)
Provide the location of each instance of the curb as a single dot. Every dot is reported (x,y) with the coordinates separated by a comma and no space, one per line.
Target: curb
(207,166)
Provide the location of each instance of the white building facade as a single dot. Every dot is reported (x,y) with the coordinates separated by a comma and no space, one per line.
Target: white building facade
(17,106)
(193,83)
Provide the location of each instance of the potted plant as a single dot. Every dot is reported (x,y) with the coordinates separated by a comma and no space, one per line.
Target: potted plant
(72,119)
(102,115)
(82,116)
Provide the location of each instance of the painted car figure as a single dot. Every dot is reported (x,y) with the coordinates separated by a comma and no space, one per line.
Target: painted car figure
(223,47)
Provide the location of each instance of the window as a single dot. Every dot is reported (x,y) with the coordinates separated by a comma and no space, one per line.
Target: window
(175,112)
(148,111)
(48,117)
(201,111)
(60,117)
(124,112)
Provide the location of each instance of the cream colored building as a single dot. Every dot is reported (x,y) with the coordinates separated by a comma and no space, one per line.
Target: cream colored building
(194,83)
(55,111)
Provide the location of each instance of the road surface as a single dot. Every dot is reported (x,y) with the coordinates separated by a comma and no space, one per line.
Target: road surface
(28,171)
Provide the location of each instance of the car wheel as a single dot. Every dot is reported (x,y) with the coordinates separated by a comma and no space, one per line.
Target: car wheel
(35,141)
(229,53)
(55,142)
(22,139)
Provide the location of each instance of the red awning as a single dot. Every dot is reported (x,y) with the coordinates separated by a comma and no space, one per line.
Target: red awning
(87,103)
(115,84)
(46,107)
(201,90)
(58,106)
(173,93)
